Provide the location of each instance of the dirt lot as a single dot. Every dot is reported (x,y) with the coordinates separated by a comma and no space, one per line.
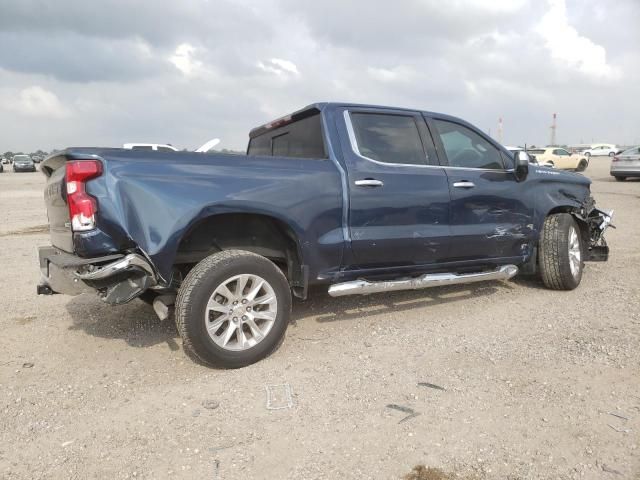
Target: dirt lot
(536,382)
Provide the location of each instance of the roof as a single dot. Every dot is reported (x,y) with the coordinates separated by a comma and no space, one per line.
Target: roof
(318,107)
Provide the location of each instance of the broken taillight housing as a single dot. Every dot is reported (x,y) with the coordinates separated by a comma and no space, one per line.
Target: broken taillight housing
(82,206)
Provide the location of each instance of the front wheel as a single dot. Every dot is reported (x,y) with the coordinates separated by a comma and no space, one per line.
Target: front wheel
(233,309)
(619,178)
(561,252)
(582,166)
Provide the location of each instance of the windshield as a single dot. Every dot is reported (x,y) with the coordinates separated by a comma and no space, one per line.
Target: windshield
(632,151)
(22,158)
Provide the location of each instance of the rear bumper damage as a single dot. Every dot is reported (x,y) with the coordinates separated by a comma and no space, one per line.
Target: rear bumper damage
(116,278)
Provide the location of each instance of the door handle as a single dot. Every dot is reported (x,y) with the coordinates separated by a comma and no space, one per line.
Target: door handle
(369,182)
(464,184)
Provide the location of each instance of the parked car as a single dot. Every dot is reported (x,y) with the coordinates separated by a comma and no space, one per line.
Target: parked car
(532,158)
(23,163)
(5,161)
(1,167)
(560,158)
(360,199)
(601,150)
(150,146)
(36,158)
(626,164)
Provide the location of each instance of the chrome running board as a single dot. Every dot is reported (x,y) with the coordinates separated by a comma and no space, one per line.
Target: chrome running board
(364,287)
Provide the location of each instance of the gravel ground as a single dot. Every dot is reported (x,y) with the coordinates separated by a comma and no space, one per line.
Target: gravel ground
(536,382)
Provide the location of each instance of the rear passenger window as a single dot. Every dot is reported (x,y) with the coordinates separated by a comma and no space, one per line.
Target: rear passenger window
(142,147)
(465,148)
(301,139)
(388,138)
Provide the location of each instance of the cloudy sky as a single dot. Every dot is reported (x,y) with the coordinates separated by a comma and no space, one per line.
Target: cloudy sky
(105,72)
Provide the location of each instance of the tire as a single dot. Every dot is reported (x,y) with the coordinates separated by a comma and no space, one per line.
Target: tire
(234,341)
(561,253)
(587,154)
(582,166)
(612,154)
(619,178)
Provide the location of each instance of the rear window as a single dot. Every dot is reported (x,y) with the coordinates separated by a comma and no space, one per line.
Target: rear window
(388,138)
(300,139)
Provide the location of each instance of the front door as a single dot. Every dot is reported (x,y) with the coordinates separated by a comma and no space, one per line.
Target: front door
(398,194)
(490,217)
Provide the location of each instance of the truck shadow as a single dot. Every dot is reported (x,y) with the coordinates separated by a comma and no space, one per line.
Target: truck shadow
(136,323)
(324,308)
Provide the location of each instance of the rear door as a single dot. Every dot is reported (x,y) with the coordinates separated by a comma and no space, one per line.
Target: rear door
(562,158)
(398,194)
(490,216)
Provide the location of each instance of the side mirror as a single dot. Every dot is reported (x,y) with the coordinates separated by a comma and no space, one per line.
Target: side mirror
(521,165)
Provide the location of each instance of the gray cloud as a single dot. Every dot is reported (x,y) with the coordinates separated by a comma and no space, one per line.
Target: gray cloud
(108,72)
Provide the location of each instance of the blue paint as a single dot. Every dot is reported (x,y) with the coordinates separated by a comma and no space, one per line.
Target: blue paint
(415,222)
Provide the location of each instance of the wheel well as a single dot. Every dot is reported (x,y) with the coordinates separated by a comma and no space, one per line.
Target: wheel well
(260,234)
(573,211)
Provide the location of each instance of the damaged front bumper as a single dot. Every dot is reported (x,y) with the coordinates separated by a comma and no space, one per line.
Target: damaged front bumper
(597,222)
(117,278)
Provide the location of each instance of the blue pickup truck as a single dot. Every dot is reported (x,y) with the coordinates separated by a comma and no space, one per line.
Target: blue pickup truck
(358,198)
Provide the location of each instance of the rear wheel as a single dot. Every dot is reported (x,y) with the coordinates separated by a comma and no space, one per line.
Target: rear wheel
(561,252)
(612,154)
(582,166)
(233,309)
(619,178)
(587,154)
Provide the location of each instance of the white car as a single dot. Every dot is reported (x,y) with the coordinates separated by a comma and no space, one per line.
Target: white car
(532,159)
(601,150)
(150,146)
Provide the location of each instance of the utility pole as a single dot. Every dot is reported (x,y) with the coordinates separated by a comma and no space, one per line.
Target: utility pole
(500,130)
(553,131)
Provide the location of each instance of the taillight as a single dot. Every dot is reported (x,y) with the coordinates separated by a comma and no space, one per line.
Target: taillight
(82,206)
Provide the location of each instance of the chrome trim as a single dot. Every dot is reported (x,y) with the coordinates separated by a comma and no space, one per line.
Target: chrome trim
(368,182)
(464,184)
(344,182)
(365,287)
(356,151)
(132,261)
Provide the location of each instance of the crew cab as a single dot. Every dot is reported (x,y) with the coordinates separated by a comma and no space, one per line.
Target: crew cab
(359,199)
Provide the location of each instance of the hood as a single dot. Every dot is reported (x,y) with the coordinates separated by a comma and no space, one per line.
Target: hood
(561,175)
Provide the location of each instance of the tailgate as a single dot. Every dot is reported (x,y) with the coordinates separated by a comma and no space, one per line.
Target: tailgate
(56,201)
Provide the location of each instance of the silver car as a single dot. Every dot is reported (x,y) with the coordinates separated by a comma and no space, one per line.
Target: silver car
(626,164)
